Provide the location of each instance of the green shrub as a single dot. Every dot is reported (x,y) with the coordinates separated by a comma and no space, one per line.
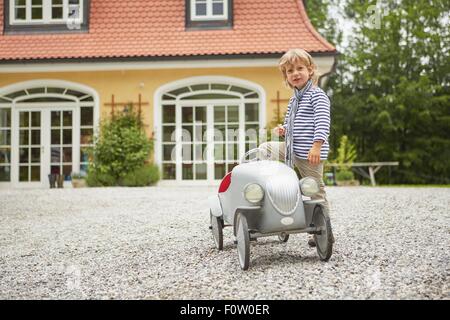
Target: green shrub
(344,175)
(99,179)
(121,148)
(142,176)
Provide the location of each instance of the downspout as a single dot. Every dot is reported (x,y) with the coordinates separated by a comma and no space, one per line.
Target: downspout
(324,77)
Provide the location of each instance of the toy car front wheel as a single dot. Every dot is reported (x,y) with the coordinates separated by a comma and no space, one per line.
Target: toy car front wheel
(243,241)
(323,239)
(217,231)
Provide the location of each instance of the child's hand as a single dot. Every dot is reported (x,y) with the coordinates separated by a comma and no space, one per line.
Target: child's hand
(280,130)
(314,154)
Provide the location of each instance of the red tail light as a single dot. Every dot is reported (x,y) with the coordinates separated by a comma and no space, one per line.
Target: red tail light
(226,181)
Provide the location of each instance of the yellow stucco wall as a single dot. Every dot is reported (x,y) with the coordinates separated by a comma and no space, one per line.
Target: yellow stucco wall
(125,84)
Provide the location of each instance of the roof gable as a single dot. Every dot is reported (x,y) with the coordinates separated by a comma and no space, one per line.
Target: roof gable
(151,29)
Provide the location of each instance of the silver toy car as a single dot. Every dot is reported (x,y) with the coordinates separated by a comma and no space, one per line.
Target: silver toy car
(261,198)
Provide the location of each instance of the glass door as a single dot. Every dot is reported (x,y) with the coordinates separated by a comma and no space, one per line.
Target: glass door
(193,142)
(226,139)
(5,145)
(29,148)
(61,143)
(210,141)
(43,144)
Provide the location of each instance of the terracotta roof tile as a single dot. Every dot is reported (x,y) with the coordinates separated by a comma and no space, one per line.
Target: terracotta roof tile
(138,29)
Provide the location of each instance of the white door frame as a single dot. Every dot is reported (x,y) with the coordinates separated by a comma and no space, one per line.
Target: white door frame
(157,116)
(209,104)
(76,101)
(15,147)
(45,110)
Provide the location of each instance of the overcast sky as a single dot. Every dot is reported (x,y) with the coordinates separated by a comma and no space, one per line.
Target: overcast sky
(344,24)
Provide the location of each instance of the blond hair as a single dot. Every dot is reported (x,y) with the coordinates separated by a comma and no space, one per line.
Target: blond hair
(297,55)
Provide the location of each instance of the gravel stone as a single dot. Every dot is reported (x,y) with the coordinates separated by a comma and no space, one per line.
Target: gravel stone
(154,243)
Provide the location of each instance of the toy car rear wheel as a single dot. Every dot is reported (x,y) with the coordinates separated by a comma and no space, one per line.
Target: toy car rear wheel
(217,231)
(243,242)
(324,242)
(283,237)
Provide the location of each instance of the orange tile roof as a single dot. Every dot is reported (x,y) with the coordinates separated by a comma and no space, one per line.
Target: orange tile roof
(151,29)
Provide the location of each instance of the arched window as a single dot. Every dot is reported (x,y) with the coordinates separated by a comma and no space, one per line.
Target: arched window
(225,106)
(45,128)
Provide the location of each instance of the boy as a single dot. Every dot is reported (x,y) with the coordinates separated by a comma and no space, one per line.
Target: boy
(307,123)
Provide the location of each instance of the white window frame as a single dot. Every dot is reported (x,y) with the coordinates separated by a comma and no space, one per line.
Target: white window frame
(209,11)
(46,14)
(19,103)
(240,100)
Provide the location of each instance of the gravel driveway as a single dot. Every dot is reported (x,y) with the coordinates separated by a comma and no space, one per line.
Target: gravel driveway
(154,243)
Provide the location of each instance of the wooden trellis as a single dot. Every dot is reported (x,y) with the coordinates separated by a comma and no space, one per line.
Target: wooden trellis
(114,104)
(278,100)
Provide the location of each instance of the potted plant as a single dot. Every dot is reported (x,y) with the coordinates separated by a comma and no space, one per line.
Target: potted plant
(78,180)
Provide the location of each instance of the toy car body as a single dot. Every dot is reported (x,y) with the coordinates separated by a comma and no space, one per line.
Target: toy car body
(262,198)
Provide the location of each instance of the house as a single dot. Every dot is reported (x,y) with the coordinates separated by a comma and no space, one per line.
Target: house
(193,65)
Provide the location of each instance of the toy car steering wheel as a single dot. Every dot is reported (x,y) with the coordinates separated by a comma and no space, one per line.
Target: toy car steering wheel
(258,157)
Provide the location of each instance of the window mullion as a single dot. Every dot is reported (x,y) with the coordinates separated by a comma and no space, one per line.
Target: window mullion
(65,10)
(193,12)
(47,10)
(28,11)
(80,11)
(12,11)
(209,12)
(225,8)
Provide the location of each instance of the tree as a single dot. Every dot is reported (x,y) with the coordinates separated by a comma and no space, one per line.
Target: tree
(320,13)
(391,93)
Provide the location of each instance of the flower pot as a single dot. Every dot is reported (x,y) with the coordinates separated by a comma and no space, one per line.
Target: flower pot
(78,183)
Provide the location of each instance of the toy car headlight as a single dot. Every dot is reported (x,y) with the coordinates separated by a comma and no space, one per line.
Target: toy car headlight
(309,186)
(253,193)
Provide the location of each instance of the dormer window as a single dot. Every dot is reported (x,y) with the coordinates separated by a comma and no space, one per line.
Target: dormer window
(209,10)
(46,11)
(30,16)
(209,14)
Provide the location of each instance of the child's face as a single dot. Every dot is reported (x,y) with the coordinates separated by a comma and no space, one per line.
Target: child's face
(297,74)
